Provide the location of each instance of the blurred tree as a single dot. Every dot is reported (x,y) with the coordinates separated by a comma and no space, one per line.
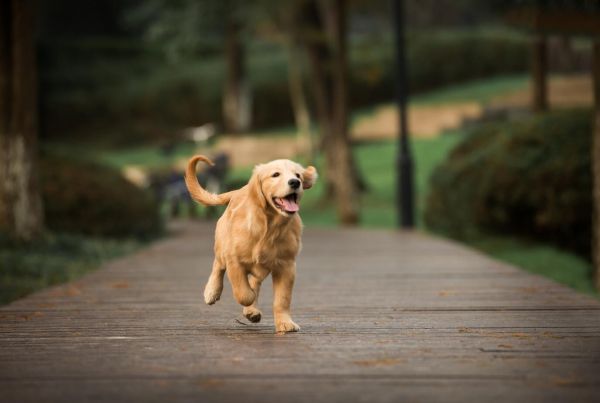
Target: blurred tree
(283,19)
(236,97)
(596,164)
(324,36)
(184,27)
(21,213)
(298,99)
(539,72)
(539,62)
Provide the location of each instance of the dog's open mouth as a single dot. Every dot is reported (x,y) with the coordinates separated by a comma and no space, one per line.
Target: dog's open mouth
(289,203)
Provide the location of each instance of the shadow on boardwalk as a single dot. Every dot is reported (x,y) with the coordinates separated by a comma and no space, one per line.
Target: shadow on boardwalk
(385,316)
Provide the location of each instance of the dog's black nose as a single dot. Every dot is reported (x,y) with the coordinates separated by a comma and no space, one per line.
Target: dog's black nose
(294,183)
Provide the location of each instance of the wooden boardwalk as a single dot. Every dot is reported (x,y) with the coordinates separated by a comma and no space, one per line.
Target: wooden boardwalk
(385,316)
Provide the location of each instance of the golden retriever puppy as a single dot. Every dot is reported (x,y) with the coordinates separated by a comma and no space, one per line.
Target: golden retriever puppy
(257,235)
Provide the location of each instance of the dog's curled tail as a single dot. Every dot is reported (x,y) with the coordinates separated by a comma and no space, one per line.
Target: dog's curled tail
(197,192)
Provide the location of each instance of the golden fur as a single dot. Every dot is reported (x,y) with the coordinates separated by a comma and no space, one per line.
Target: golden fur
(257,235)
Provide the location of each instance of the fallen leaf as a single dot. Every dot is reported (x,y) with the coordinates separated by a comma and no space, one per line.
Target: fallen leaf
(29,316)
(552,335)
(528,290)
(521,335)
(380,362)
(210,383)
(567,381)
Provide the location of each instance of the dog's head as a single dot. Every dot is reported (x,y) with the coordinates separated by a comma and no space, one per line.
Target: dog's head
(280,184)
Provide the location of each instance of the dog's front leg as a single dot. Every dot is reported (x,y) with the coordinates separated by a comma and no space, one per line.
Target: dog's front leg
(238,276)
(283,283)
(252,313)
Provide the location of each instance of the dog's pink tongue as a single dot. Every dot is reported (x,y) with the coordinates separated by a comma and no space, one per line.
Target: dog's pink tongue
(290,205)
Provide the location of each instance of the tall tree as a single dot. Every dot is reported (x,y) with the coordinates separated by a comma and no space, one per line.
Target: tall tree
(539,72)
(539,62)
(298,99)
(236,96)
(21,213)
(283,17)
(324,24)
(596,164)
(181,28)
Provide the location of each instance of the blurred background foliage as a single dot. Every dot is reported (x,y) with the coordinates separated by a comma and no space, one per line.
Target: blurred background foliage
(158,65)
(121,82)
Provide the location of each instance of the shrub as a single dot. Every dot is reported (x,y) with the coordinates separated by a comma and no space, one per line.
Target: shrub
(530,177)
(85,198)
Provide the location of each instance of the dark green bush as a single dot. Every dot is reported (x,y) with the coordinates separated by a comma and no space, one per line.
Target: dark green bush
(85,198)
(530,178)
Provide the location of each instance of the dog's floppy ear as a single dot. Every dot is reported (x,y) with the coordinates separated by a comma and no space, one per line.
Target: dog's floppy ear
(255,188)
(309,177)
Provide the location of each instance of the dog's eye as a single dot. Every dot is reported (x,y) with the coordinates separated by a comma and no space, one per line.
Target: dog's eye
(275,175)
(298,176)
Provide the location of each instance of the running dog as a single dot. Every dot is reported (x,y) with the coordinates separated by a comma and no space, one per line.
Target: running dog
(257,235)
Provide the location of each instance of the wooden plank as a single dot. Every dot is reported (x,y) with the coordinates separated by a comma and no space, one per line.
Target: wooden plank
(385,316)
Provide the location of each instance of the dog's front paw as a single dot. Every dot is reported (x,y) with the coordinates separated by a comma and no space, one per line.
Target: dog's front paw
(252,314)
(286,326)
(212,293)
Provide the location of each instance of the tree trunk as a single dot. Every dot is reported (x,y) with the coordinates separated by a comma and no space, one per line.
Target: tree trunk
(539,67)
(21,214)
(326,46)
(237,108)
(596,164)
(298,101)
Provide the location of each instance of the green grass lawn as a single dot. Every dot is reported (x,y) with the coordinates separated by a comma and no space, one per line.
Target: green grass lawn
(56,258)
(146,156)
(376,161)
(475,91)
(546,260)
(480,91)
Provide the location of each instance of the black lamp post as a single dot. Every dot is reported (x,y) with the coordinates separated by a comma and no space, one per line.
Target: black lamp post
(404,163)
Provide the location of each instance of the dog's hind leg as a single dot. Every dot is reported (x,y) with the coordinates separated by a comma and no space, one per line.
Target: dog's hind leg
(238,276)
(252,313)
(214,286)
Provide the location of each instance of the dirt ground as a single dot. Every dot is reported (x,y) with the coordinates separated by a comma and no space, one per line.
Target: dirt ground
(250,150)
(564,92)
(425,121)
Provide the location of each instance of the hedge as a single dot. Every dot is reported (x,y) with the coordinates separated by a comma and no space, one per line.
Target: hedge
(90,199)
(529,178)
